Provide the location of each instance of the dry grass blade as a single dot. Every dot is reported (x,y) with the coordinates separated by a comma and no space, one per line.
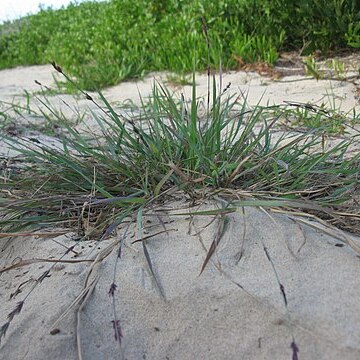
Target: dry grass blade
(116,321)
(92,271)
(221,229)
(240,254)
(214,212)
(42,235)
(283,203)
(99,258)
(146,253)
(26,262)
(38,281)
(144,238)
(90,288)
(186,179)
(148,260)
(332,231)
(78,300)
(162,183)
(284,296)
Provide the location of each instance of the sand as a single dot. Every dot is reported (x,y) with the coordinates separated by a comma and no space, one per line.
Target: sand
(234,309)
(256,88)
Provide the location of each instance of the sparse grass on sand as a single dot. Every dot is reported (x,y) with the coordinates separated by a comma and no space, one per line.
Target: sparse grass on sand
(211,149)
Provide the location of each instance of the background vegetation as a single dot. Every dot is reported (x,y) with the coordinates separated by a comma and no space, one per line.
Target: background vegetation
(102,43)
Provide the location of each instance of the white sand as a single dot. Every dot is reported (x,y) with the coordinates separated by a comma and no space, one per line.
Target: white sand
(258,89)
(203,316)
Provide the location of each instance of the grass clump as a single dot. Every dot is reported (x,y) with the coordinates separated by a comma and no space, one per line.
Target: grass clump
(91,181)
(101,44)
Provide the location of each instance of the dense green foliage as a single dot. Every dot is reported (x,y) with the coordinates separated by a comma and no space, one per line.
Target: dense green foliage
(102,43)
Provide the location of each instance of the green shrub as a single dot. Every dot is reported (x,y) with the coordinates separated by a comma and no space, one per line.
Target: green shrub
(102,43)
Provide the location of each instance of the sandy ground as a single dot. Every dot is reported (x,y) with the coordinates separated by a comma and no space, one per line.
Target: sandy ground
(233,310)
(258,89)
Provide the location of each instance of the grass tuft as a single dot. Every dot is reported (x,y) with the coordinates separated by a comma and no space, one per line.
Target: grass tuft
(91,181)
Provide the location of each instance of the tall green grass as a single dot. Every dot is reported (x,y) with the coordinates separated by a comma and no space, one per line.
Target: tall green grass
(102,43)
